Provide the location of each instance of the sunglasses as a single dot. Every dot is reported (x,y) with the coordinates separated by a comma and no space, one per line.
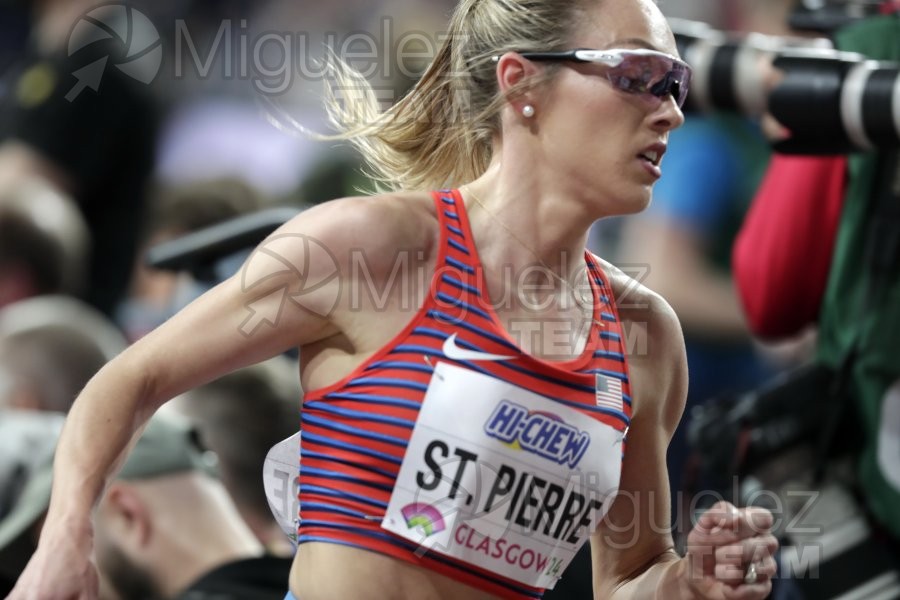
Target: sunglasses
(636,71)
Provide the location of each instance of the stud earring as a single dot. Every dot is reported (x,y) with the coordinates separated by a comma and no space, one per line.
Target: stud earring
(528,111)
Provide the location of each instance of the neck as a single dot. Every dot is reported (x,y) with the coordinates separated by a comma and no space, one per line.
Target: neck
(519,221)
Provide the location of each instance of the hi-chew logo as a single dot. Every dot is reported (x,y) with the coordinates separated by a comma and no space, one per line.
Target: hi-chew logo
(538,432)
(424,517)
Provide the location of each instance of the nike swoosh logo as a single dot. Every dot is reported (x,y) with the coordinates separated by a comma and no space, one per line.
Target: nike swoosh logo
(454,352)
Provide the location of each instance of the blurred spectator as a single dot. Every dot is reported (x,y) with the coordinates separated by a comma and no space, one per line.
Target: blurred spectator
(155,295)
(44,242)
(714,12)
(27,441)
(50,347)
(210,138)
(240,417)
(13,28)
(821,246)
(81,117)
(165,528)
(340,173)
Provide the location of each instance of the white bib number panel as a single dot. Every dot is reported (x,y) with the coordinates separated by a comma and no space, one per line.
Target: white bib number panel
(502,478)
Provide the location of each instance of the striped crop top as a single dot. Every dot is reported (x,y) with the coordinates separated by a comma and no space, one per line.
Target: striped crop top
(452,449)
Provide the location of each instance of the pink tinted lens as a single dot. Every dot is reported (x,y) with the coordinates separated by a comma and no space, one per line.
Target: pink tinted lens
(651,74)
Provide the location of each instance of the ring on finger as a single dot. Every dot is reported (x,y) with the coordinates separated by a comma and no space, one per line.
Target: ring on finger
(751,576)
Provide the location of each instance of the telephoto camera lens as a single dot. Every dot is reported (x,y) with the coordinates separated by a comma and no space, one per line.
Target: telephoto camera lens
(728,68)
(834,103)
(826,16)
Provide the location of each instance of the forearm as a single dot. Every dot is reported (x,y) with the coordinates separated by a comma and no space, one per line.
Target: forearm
(665,578)
(99,429)
(707,305)
(703,297)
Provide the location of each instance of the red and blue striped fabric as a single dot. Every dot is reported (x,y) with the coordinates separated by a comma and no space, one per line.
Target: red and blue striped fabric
(356,431)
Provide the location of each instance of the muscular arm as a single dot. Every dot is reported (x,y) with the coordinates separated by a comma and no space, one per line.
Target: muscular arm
(633,549)
(633,552)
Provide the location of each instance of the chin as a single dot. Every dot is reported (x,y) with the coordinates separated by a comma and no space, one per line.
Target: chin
(631,204)
(642,205)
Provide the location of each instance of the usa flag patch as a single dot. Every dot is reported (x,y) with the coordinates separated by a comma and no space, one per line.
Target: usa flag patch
(609,392)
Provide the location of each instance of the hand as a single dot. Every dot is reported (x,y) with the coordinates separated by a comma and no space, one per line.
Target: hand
(58,571)
(730,554)
(771,77)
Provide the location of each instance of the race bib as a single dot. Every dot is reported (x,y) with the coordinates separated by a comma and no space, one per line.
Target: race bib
(502,478)
(281,471)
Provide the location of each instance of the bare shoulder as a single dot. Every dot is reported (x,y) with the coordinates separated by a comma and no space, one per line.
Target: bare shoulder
(638,304)
(379,225)
(322,249)
(654,344)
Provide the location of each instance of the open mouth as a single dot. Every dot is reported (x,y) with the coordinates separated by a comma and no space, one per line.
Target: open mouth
(652,157)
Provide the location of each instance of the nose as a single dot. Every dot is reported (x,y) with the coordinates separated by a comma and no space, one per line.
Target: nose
(668,115)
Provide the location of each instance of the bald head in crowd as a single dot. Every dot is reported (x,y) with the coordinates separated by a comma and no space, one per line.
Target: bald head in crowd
(165,529)
(44,242)
(49,348)
(156,535)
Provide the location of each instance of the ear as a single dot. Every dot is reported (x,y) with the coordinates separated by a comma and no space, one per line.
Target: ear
(512,71)
(127,516)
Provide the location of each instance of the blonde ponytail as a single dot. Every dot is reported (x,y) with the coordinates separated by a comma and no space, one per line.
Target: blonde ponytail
(440,134)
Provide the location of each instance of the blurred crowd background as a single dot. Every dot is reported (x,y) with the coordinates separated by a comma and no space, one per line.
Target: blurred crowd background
(125,126)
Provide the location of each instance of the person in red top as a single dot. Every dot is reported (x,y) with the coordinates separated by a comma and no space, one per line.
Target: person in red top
(782,255)
(470,382)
